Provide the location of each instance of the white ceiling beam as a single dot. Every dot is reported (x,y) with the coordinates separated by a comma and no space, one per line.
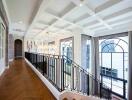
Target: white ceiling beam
(65,29)
(121,22)
(61,18)
(90,23)
(99,10)
(48,28)
(86,20)
(119,17)
(116,16)
(106,5)
(114,25)
(44,31)
(117,29)
(94,26)
(93,14)
(99,28)
(43,6)
(48,25)
(124,12)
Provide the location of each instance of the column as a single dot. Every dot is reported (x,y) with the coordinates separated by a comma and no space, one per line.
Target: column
(95,63)
(130,67)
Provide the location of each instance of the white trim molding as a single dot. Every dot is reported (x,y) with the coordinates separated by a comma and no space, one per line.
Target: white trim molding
(6,10)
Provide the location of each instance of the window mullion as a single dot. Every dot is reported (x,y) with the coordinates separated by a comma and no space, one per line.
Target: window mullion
(111,70)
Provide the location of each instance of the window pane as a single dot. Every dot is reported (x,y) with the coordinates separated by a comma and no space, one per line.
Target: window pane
(126,65)
(106,62)
(118,49)
(117,63)
(107,81)
(117,86)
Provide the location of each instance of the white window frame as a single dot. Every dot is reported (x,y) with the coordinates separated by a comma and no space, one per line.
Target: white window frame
(2,39)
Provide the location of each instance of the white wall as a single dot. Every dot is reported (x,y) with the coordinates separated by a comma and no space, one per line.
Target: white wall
(15,37)
(10,47)
(76,48)
(2,66)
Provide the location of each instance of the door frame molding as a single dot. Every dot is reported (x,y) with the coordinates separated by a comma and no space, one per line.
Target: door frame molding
(15,48)
(66,39)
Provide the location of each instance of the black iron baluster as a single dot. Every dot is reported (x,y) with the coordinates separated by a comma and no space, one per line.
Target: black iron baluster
(88,84)
(36,61)
(101,86)
(43,66)
(80,80)
(54,68)
(124,89)
(73,77)
(48,66)
(62,74)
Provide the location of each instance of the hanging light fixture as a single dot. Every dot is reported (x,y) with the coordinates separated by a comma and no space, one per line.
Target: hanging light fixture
(81,3)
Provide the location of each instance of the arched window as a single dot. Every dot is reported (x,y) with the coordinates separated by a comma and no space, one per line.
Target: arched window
(114,64)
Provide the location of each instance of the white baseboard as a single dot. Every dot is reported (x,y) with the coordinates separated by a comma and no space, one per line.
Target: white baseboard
(7,67)
(1,72)
(10,60)
(53,90)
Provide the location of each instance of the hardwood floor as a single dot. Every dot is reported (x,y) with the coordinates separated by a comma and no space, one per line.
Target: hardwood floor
(19,82)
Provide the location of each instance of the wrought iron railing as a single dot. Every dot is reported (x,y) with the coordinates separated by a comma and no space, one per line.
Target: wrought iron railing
(65,74)
(119,91)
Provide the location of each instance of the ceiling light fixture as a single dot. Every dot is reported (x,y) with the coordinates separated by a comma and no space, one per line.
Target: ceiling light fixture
(81,3)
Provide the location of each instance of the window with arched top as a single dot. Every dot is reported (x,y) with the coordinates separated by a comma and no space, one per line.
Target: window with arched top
(66,49)
(114,64)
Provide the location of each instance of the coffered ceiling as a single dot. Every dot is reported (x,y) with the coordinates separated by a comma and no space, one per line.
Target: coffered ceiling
(21,13)
(57,17)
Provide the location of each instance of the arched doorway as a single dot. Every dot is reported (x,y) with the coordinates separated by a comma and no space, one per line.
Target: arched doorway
(18,48)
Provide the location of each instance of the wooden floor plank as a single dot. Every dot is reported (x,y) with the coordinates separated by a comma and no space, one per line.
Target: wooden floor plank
(19,82)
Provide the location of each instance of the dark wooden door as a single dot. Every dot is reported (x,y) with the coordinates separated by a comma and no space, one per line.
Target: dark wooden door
(18,48)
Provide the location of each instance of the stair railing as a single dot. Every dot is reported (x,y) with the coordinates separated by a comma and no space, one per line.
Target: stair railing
(65,74)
